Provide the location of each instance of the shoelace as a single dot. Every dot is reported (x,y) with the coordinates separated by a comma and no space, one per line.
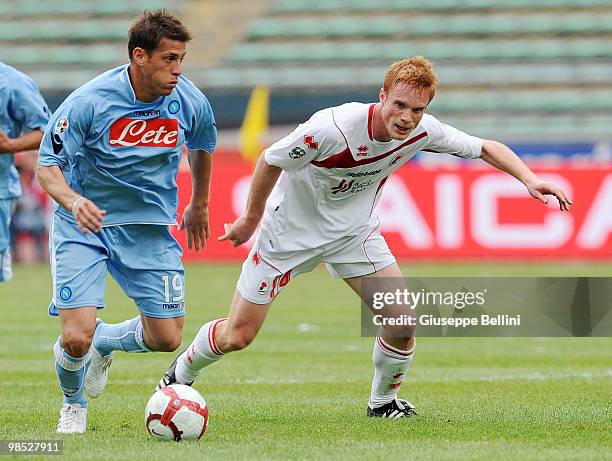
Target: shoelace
(399,406)
(394,408)
(69,416)
(107,362)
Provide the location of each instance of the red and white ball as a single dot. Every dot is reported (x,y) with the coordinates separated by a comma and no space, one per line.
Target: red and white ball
(176,412)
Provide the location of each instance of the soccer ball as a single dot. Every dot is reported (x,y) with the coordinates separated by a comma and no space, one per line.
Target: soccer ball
(176,412)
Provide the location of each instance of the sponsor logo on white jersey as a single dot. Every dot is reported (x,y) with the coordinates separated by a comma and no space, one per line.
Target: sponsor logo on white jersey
(309,140)
(362,151)
(351,187)
(363,173)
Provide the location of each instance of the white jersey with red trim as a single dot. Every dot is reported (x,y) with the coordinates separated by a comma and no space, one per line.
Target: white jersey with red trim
(334,171)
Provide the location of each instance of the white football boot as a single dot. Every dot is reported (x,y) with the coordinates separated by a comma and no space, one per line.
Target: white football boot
(73,419)
(97,373)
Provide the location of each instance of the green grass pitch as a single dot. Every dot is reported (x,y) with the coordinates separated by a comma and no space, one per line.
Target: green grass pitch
(300,390)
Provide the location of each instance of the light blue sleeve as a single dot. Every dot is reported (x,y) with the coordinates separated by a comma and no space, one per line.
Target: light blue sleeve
(27,106)
(202,134)
(66,132)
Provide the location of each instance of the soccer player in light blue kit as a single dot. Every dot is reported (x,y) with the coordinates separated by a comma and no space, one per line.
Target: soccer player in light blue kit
(23,116)
(109,158)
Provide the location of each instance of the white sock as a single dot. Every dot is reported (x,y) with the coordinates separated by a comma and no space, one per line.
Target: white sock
(390,367)
(201,352)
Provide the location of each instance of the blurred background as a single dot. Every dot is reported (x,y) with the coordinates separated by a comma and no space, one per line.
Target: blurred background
(535,74)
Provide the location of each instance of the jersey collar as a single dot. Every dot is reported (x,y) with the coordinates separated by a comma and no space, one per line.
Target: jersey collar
(125,76)
(370,120)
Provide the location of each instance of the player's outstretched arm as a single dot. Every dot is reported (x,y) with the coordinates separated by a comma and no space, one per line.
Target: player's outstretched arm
(264,179)
(87,214)
(503,158)
(195,216)
(28,141)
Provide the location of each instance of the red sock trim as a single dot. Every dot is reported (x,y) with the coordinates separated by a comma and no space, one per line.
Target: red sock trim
(392,350)
(211,337)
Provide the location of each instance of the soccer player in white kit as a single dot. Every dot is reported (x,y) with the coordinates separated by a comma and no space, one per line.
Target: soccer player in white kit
(332,170)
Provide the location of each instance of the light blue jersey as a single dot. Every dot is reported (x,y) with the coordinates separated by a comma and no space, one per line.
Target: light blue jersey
(124,154)
(22,109)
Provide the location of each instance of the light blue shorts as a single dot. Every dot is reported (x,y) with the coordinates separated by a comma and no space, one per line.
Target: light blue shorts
(144,259)
(5,239)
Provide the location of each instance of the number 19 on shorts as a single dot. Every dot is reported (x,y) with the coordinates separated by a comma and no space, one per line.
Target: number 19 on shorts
(174,291)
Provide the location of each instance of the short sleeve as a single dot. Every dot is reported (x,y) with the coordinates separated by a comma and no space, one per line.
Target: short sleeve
(445,139)
(309,141)
(202,134)
(28,106)
(66,132)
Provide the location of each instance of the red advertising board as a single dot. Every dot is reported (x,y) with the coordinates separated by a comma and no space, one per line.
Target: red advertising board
(450,213)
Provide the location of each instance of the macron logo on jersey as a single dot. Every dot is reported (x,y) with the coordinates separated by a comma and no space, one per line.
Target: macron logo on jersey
(157,132)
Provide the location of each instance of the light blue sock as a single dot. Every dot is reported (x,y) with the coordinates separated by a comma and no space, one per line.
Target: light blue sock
(71,374)
(125,336)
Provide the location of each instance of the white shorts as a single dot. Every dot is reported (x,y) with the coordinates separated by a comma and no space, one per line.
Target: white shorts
(266,272)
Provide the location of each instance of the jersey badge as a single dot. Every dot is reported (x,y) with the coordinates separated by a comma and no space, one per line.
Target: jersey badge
(309,140)
(296,153)
(263,287)
(65,293)
(396,159)
(61,126)
(174,107)
(57,138)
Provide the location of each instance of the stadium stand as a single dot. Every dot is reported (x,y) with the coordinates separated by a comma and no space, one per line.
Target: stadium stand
(68,8)
(59,37)
(456,25)
(517,60)
(358,50)
(305,6)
